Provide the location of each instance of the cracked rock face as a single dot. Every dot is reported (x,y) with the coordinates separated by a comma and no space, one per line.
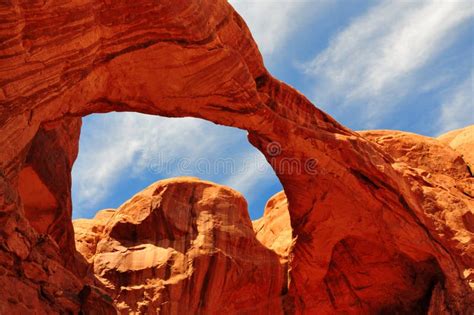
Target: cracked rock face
(182,246)
(381,221)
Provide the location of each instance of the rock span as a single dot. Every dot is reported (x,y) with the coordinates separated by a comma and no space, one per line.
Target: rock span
(371,232)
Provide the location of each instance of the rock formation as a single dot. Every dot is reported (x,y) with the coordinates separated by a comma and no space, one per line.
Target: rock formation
(274,229)
(443,185)
(182,246)
(374,231)
(462,141)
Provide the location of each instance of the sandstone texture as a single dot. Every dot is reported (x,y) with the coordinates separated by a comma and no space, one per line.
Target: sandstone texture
(462,141)
(182,246)
(442,182)
(381,221)
(274,229)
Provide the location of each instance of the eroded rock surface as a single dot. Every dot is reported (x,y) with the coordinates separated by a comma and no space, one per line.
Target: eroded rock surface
(353,206)
(442,183)
(462,141)
(182,246)
(273,229)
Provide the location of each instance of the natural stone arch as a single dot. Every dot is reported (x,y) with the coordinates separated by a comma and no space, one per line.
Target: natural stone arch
(198,59)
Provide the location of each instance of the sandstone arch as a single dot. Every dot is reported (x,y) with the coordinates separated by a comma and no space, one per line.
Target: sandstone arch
(63,60)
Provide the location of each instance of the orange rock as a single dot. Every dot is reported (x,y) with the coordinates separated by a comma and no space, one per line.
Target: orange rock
(274,229)
(443,186)
(183,246)
(374,233)
(462,141)
(88,232)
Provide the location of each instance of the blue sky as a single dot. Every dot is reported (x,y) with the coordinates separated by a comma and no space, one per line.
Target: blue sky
(406,65)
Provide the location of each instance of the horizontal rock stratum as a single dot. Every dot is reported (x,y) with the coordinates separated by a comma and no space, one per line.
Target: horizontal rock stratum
(381,221)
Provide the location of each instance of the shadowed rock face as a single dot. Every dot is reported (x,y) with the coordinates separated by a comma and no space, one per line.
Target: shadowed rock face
(182,246)
(64,59)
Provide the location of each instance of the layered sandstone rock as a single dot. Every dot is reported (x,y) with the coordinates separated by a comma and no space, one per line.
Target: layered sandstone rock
(273,229)
(88,232)
(371,234)
(443,184)
(40,270)
(182,246)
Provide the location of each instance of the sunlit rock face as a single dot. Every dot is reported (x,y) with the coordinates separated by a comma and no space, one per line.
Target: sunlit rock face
(380,223)
(182,246)
(462,141)
(274,228)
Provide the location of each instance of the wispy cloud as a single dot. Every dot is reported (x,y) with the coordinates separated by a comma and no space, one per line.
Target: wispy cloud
(124,142)
(255,170)
(374,60)
(273,21)
(457,110)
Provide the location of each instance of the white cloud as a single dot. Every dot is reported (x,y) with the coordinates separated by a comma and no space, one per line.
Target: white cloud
(273,21)
(376,58)
(457,110)
(124,142)
(254,171)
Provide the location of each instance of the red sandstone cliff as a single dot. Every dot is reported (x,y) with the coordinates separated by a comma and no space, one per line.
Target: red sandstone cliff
(382,221)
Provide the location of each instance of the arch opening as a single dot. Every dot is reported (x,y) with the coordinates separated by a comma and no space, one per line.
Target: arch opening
(180,232)
(122,153)
(212,69)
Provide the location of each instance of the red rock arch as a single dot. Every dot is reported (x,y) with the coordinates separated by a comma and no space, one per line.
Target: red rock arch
(197,58)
